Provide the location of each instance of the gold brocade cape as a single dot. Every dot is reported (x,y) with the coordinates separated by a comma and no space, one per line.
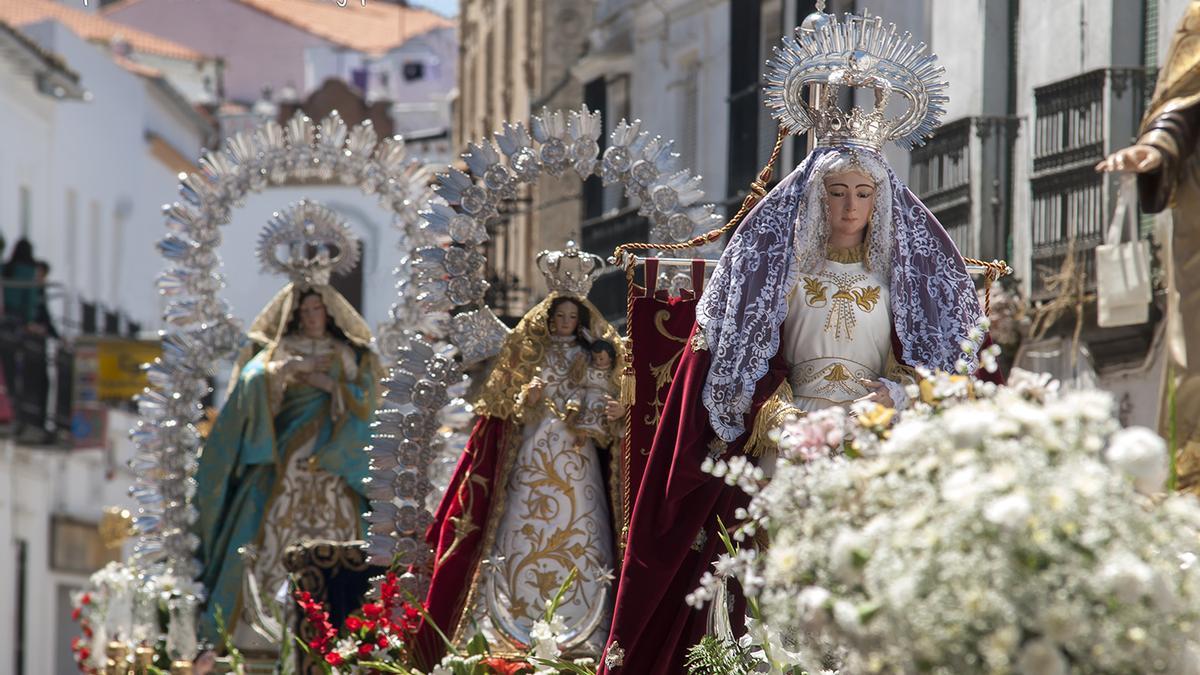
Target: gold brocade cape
(1179,79)
(524,350)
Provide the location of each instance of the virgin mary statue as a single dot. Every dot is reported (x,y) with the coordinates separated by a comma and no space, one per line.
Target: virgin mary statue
(527,511)
(283,461)
(833,287)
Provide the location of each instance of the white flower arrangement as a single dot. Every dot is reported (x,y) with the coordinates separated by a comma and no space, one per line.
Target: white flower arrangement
(989,530)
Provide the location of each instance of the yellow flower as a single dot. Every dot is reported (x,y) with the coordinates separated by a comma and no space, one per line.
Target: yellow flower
(876,416)
(926,388)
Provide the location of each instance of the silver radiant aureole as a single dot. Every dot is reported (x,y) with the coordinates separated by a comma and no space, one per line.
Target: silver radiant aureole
(859,52)
(308,243)
(200,329)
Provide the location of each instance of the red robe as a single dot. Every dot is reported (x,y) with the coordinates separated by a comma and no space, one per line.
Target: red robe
(665,554)
(456,534)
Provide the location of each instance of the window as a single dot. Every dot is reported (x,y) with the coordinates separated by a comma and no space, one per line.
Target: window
(595,97)
(22,551)
(1076,121)
(351,285)
(941,177)
(26,214)
(413,71)
(745,26)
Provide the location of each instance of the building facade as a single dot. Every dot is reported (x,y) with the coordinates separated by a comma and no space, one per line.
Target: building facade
(92,143)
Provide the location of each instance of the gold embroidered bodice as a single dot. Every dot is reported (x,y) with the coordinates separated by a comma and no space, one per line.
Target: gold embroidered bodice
(838,330)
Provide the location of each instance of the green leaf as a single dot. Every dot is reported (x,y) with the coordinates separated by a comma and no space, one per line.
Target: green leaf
(478,646)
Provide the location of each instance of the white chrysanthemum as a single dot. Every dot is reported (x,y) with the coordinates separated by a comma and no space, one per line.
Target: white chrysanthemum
(1140,454)
(1010,511)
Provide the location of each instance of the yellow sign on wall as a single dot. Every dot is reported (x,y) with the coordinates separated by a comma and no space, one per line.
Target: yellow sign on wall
(119,373)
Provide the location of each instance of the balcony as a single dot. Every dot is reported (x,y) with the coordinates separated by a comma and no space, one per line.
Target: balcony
(962,174)
(50,397)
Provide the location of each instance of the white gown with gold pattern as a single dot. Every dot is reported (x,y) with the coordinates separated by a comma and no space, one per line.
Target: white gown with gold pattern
(838,331)
(555,519)
(309,502)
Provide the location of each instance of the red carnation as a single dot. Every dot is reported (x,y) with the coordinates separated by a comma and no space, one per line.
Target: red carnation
(372,610)
(353,623)
(333,659)
(85,599)
(365,649)
(76,613)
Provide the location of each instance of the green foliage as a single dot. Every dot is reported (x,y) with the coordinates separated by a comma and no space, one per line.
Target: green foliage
(713,656)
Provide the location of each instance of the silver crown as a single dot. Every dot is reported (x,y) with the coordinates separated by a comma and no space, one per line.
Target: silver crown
(569,271)
(858,52)
(308,243)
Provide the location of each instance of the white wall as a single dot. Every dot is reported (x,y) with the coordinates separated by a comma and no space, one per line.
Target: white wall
(688,46)
(98,150)
(24,136)
(36,485)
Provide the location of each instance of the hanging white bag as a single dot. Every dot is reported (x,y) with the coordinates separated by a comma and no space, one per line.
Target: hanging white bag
(1123,291)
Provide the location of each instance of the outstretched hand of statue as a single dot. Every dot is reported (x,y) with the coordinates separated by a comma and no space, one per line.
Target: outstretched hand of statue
(1137,158)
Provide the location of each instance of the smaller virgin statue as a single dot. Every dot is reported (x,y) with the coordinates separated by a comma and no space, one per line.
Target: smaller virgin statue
(283,462)
(527,510)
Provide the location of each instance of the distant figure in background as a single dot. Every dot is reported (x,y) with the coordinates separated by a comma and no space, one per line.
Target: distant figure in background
(21,298)
(1168,167)
(35,378)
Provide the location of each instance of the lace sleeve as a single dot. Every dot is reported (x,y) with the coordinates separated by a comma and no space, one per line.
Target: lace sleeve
(897,392)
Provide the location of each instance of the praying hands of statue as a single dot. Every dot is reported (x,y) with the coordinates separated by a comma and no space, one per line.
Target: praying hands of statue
(311,371)
(1138,158)
(878,393)
(320,380)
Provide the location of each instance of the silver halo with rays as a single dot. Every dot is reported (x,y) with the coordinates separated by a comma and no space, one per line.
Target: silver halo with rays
(319,244)
(425,393)
(200,329)
(873,52)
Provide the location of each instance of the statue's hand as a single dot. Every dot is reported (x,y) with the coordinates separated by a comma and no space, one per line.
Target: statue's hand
(613,410)
(878,393)
(1139,158)
(534,390)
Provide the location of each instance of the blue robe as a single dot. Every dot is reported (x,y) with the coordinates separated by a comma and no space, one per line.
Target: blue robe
(242,464)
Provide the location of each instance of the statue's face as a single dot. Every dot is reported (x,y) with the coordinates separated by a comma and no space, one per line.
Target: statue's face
(602,360)
(312,316)
(850,202)
(565,319)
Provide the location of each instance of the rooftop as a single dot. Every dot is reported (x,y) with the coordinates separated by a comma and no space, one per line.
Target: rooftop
(93,27)
(375,28)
